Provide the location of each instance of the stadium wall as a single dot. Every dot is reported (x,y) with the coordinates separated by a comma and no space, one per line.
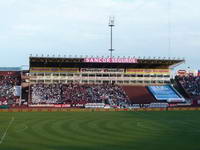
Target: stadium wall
(98,109)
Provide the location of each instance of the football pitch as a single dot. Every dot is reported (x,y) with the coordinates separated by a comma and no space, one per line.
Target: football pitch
(100,130)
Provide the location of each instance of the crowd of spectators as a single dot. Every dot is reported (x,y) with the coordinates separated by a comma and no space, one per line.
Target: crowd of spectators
(46,93)
(78,94)
(191,84)
(7,87)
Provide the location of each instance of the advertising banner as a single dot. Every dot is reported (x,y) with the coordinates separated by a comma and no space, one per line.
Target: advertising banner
(48,69)
(110,60)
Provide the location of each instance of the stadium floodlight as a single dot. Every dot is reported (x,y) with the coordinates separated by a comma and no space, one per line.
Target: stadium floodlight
(111,25)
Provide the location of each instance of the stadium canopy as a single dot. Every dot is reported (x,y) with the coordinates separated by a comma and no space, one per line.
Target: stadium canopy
(10,69)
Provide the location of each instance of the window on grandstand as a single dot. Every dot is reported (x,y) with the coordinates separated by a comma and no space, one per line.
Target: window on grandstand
(113,82)
(55,81)
(40,81)
(126,82)
(47,81)
(160,75)
(140,81)
(85,81)
(167,81)
(99,75)
(106,81)
(113,75)
(140,75)
(33,74)
(91,75)
(166,76)
(105,75)
(84,75)
(55,74)
(126,75)
(70,81)
(47,74)
(76,75)
(62,81)
(133,81)
(41,74)
(159,81)
(70,75)
(98,81)
(133,75)
(147,81)
(147,75)
(120,82)
(33,81)
(91,81)
(76,81)
(119,75)
(63,75)
(153,75)
(153,81)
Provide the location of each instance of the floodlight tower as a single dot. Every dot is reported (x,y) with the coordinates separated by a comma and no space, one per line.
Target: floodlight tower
(111,25)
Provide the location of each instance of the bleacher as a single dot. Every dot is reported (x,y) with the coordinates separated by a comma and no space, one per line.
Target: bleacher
(165,93)
(10,89)
(139,94)
(73,94)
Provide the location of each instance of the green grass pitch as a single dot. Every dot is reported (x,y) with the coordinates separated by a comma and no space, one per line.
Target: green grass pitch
(100,130)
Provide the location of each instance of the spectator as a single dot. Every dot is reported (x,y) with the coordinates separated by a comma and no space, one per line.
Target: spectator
(191,84)
(8,81)
(78,94)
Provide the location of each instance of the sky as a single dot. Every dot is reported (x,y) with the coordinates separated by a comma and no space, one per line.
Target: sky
(143,28)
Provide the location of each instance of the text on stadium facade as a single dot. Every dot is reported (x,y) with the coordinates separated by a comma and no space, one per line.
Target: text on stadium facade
(111,60)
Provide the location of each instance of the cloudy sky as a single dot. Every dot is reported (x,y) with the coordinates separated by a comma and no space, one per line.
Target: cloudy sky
(80,27)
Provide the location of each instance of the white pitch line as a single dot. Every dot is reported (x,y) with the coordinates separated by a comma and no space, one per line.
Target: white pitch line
(4,135)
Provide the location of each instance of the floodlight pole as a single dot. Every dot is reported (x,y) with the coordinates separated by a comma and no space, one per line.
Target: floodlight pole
(111,25)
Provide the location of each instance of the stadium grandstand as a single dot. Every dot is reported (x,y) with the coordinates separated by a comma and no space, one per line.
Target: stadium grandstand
(99,82)
(10,86)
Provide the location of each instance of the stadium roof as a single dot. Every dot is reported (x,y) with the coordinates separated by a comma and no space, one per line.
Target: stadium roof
(81,63)
(10,69)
